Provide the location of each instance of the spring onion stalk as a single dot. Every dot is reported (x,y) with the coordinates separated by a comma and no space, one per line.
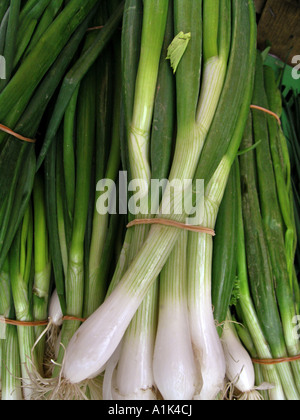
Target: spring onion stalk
(42,263)
(239,367)
(96,287)
(206,343)
(224,254)
(49,14)
(5,295)
(71,83)
(286,380)
(10,358)
(272,217)
(75,75)
(207,346)
(138,343)
(261,272)
(286,174)
(21,155)
(134,375)
(282,167)
(84,153)
(21,273)
(11,386)
(27,28)
(245,302)
(55,311)
(81,362)
(155,17)
(290,141)
(53,334)
(86,126)
(69,165)
(246,339)
(174,366)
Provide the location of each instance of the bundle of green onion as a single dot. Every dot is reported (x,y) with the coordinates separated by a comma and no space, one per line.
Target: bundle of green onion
(120,337)
(291,129)
(112,284)
(260,279)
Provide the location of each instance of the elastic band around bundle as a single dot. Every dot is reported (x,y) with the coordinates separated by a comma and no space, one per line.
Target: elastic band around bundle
(276,361)
(12,133)
(95,28)
(37,323)
(267,111)
(172,223)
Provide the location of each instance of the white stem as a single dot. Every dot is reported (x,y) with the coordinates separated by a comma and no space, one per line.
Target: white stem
(96,340)
(207,345)
(239,366)
(134,376)
(55,312)
(174,364)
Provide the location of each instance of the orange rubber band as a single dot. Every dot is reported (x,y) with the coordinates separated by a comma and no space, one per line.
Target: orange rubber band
(172,223)
(276,361)
(37,323)
(23,323)
(267,111)
(12,133)
(73,318)
(95,28)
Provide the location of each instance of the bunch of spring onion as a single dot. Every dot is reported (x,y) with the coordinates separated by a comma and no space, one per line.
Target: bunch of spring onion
(38,41)
(268,299)
(38,56)
(213,97)
(25,288)
(242,382)
(291,129)
(83,151)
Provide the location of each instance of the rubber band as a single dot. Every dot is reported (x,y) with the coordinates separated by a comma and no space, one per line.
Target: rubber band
(23,323)
(12,133)
(95,28)
(37,323)
(267,111)
(276,361)
(172,223)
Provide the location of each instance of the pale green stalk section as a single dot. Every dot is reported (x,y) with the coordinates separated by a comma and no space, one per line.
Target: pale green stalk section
(123,261)
(69,153)
(42,275)
(205,338)
(211,12)
(154,24)
(5,298)
(11,366)
(138,341)
(173,286)
(21,271)
(61,226)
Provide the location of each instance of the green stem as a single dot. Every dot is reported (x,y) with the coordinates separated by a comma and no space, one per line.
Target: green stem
(250,317)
